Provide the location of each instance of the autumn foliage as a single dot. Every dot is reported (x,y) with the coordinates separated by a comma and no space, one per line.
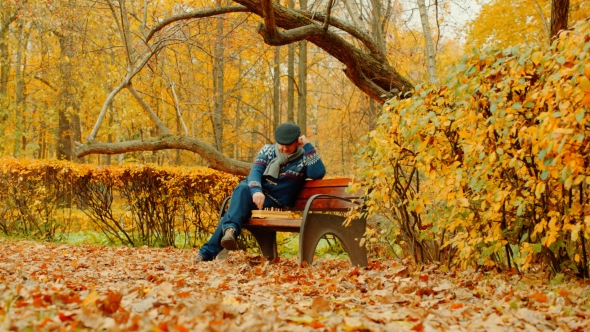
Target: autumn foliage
(132,205)
(492,167)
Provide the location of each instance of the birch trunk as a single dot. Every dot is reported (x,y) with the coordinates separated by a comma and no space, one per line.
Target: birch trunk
(430,50)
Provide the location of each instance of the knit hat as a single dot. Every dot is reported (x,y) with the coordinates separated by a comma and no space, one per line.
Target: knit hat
(287,133)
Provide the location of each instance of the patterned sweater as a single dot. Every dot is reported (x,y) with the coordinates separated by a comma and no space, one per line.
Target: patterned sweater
(292,176)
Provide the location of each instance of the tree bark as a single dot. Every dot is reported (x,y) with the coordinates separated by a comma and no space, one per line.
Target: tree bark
(559,11)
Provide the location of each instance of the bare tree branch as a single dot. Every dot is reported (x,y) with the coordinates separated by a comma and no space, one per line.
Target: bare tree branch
(161,126)
(44,81)
(352,12)
(177,107)
(328,11)
(193,15)
(124,83)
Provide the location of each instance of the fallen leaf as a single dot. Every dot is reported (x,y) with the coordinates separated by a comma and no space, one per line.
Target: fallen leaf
(538,297)
(91,298)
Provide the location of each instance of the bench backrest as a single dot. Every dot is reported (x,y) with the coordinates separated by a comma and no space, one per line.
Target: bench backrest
(335,187)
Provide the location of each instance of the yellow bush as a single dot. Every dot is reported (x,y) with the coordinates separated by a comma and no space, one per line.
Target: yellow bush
(493,165)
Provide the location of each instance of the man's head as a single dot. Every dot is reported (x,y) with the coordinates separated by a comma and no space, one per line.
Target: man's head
(287,135)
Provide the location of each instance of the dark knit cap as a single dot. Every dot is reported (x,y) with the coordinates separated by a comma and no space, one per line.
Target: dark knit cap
(287,133)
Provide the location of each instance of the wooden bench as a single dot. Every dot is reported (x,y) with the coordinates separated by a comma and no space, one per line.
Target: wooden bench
(315,199)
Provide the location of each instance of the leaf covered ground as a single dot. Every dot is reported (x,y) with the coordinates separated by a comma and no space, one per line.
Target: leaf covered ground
(60,287)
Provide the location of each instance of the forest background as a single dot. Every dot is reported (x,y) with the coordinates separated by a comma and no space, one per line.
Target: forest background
(136,79)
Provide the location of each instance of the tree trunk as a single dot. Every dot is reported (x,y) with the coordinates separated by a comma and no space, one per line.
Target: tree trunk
(376,24)
(559,11)
(291,76)
(276,89)
(218,108)
(430,49)
(19,109)
(6,18)
(69,129)
(302,96)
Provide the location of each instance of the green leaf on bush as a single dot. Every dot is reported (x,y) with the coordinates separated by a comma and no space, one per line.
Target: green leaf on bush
(580,115)
(493,108)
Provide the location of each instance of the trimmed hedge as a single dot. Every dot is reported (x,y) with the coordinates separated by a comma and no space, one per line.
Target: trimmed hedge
(132,205)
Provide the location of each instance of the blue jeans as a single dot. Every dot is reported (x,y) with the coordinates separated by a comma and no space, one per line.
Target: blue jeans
(240,210)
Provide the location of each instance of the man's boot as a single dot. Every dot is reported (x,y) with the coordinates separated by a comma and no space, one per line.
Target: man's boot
(228,241)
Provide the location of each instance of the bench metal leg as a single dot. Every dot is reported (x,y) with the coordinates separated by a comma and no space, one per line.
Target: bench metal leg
(267,240)
(317,225)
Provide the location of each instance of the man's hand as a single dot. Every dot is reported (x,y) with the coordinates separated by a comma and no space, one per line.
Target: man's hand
(258,199)
(302,140)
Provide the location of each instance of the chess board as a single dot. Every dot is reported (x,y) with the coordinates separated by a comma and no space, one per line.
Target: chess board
(271,214)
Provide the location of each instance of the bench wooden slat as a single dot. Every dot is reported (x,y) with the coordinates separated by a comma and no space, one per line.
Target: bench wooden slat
(334,187)
(322,205)
(336,191)
(341,182)
(277,225)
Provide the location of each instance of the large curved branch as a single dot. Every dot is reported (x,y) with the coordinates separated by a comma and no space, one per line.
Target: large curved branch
(195,14)
(290,36)
(354,31)
(216,160)
(378,77)
(270,27)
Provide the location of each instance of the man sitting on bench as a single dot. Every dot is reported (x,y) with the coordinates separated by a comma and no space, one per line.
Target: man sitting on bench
(275,179)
